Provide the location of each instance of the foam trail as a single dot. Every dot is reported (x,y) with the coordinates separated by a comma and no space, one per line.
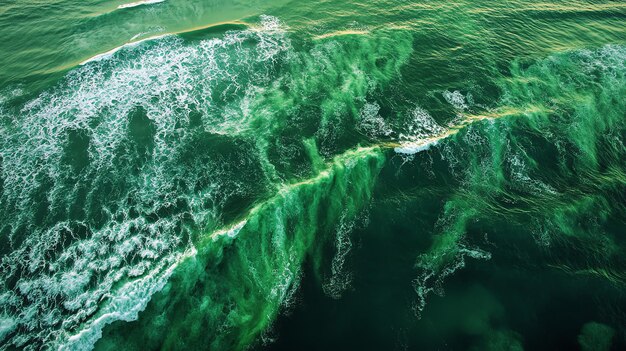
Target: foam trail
(424,141)
(139,3)
(414,147)
(109,54)
(230,232)
(130,299)
(102,56)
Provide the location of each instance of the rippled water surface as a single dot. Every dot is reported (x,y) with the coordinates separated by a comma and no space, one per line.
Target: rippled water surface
(314,175)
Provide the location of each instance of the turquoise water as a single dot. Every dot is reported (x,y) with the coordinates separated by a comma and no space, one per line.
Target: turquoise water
(320,175)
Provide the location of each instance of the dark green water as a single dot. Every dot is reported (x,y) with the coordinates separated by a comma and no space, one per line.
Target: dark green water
(329,175)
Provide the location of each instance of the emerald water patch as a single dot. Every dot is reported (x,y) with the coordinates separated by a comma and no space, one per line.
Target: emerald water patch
(332,175)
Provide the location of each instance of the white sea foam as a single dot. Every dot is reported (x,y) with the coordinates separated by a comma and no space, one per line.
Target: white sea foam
(432,277)
(110,53)
(229,232)
(456,99)
(340,278)
(420,133)
(122,220)
(139,3)
(128,301)
(102,56)
(371,123)
(519,173)
(414,147)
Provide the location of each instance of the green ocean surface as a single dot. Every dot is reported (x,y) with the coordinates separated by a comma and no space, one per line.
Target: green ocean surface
(312,175)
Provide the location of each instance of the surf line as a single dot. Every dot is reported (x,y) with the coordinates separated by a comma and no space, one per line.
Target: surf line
(400,147)
(139,3)
(110,53)
(414,146)
(133,42)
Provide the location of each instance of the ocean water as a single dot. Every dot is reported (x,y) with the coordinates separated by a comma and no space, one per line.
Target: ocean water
(317,175)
